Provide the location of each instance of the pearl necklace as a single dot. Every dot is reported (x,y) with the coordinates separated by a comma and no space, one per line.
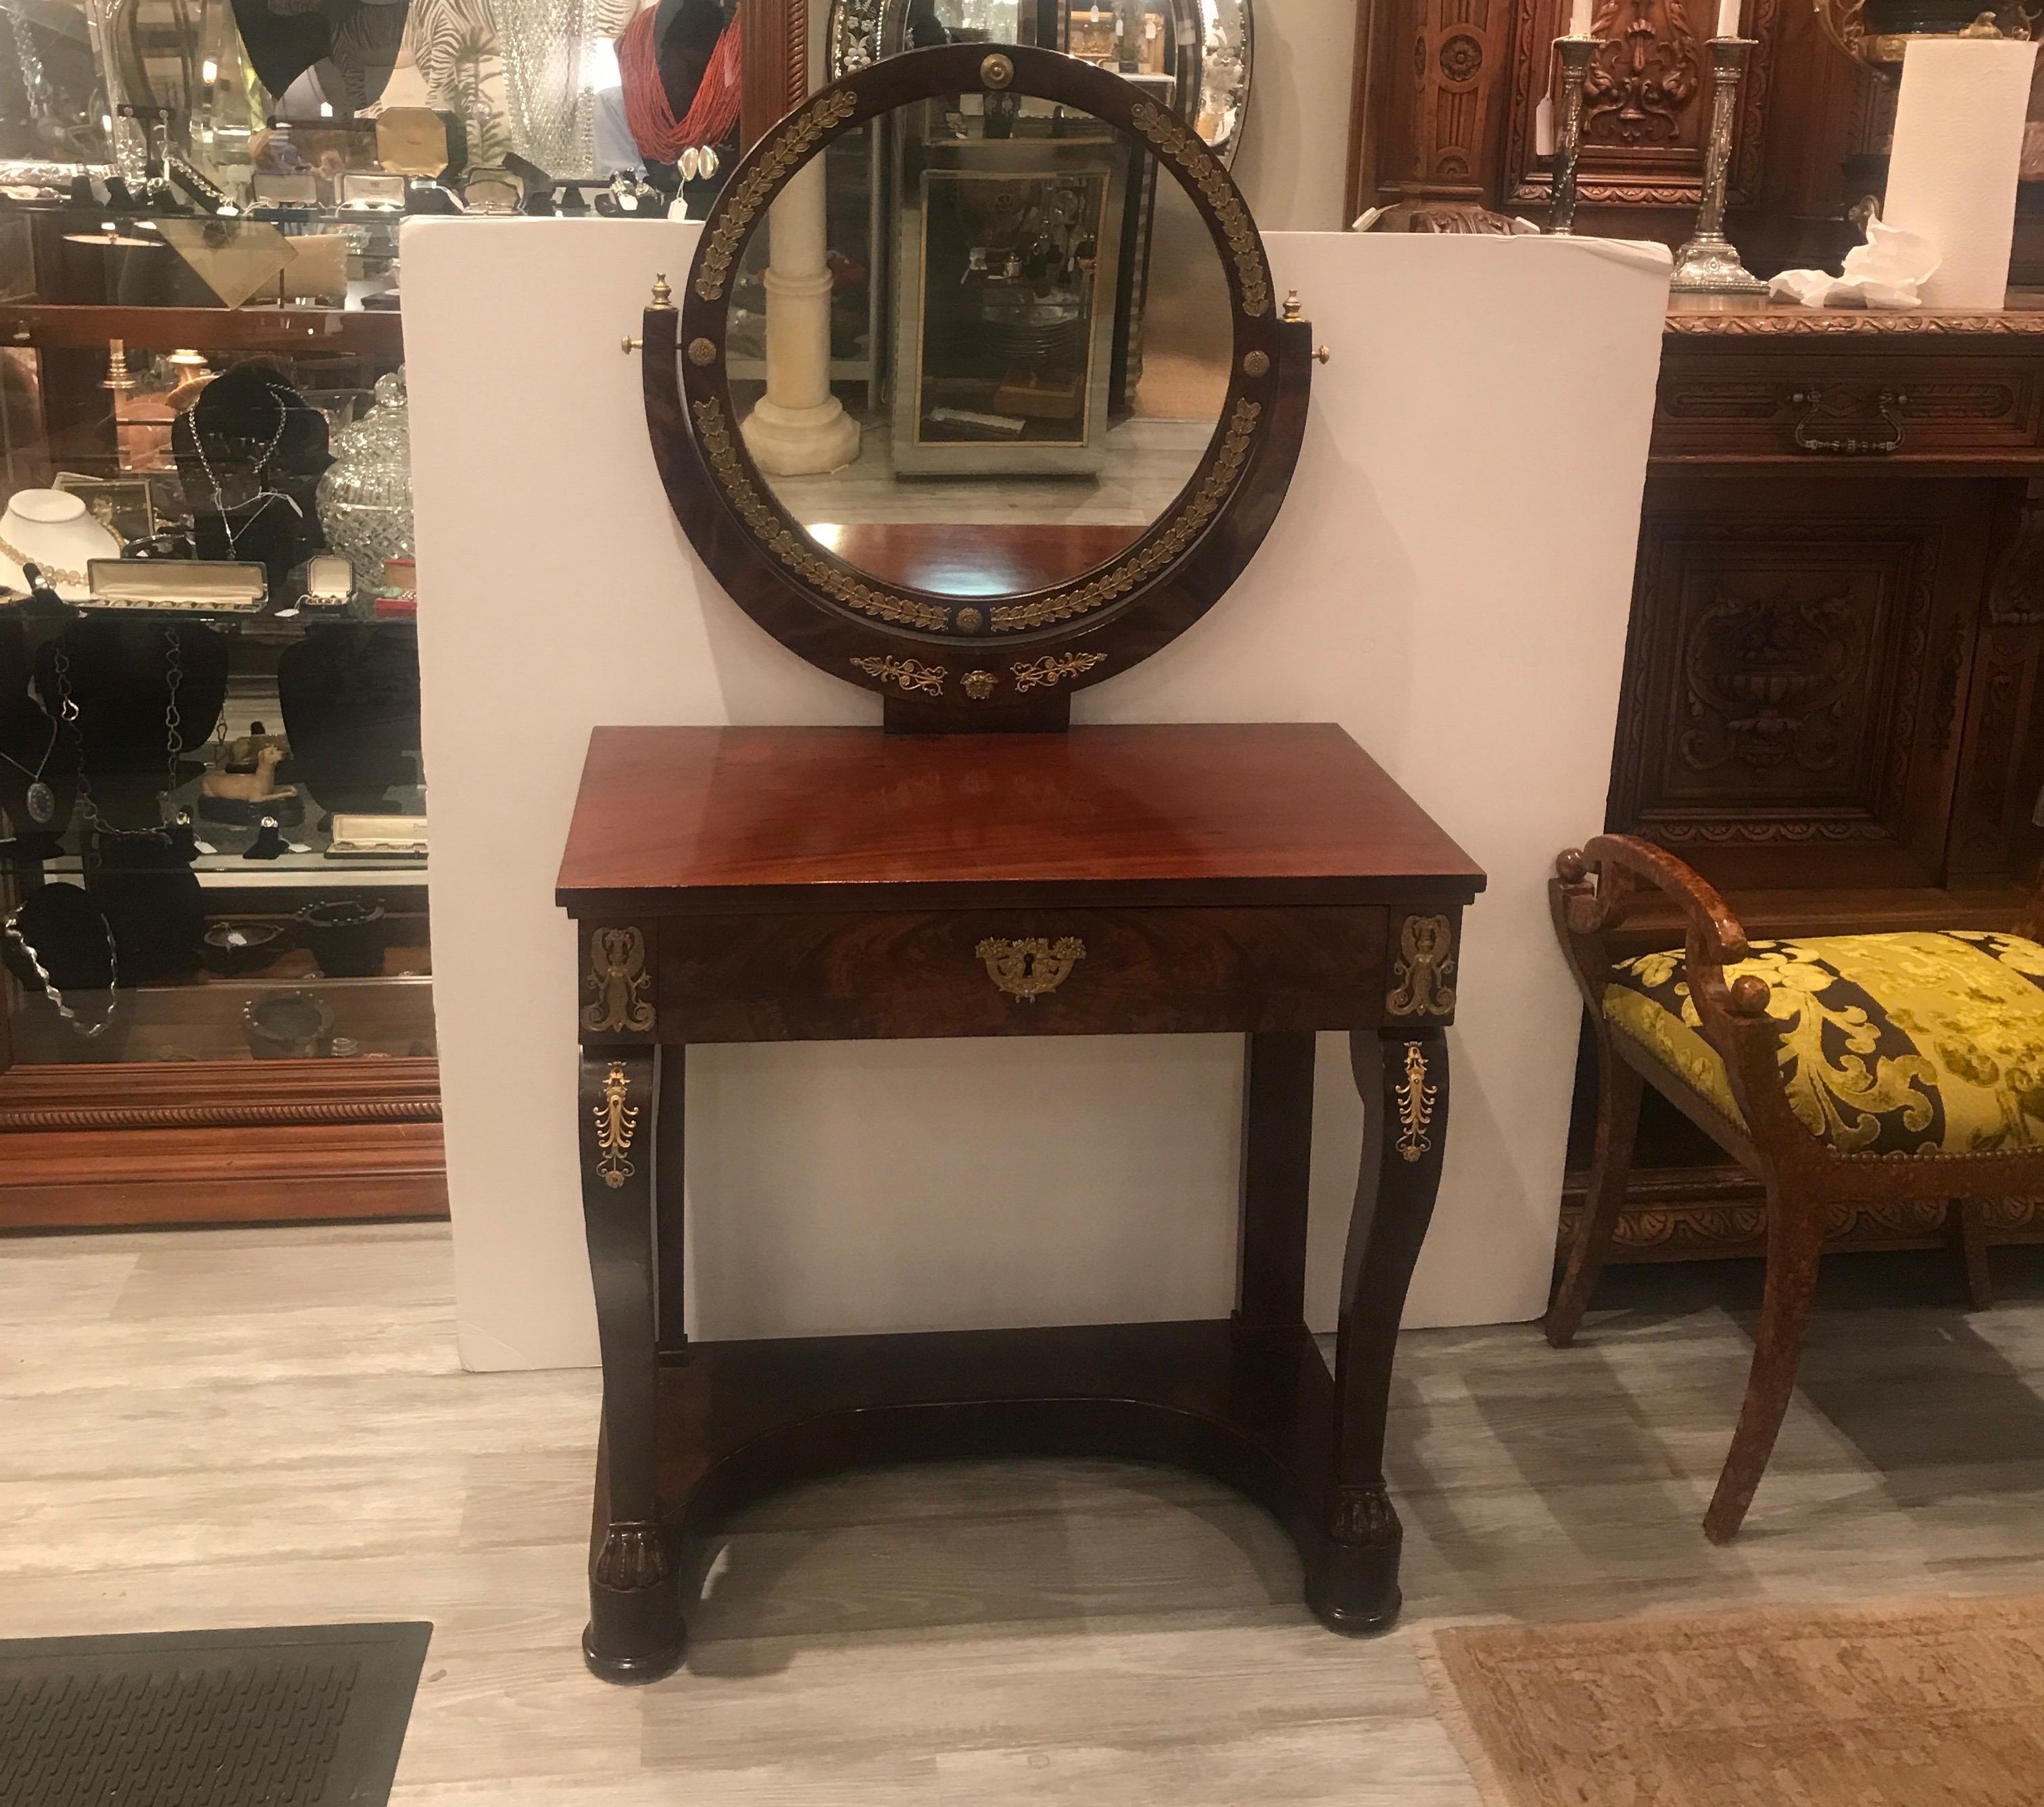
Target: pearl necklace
(50,573)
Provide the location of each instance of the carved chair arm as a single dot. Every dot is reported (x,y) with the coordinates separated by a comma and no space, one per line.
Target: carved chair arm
(1624,865)
(1596,887)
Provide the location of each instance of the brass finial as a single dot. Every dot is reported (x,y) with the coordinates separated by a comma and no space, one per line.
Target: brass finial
(997,71)
(663,297)
(1293,310)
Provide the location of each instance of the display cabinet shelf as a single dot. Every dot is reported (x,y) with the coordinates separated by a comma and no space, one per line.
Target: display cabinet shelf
(375,334)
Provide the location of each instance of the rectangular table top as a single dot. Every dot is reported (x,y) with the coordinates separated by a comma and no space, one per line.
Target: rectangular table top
(703,819)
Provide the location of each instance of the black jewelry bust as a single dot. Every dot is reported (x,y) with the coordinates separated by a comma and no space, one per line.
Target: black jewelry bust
(120,679)
(153,901)
(351,696)
(250,453)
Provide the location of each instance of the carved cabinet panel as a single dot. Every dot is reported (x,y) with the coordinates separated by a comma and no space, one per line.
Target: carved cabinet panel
(1797,672)
(1646,102)
(1447,94)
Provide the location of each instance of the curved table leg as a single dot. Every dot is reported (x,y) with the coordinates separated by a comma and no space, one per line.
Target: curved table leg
(1403,1075)
(635,1632)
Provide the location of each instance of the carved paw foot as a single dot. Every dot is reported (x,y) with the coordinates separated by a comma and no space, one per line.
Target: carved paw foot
(1365,1515)
(636,1630)
(1354,1587)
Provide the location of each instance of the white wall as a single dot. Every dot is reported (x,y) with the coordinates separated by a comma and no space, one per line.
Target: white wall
(1293,167)
(1448,579)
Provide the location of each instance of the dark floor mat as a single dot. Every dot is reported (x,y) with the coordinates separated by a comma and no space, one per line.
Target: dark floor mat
(289,1716)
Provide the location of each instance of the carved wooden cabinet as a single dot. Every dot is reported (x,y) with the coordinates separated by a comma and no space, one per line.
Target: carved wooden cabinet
(1447,93)
(1832,704)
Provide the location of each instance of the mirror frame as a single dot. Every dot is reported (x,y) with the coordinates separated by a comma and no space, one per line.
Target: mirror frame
(971,662)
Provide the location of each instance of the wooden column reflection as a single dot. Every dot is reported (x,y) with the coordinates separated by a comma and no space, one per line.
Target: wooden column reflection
(774,37)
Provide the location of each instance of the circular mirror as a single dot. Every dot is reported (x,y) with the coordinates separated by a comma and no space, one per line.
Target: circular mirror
(979,350)
(1021,384)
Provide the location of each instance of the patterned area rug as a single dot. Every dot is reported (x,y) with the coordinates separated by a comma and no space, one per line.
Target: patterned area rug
(1929,1705)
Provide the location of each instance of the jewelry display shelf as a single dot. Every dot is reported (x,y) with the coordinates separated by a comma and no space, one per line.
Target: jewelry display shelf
(53,326)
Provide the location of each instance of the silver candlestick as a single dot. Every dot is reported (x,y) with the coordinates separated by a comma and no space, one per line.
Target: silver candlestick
(1575,54)
(1708,264)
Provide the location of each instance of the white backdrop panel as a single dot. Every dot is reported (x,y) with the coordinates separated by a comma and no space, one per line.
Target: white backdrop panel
(1449,580)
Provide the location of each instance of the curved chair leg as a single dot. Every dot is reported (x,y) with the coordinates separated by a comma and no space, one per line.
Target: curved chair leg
(1965,1222)
(1618,1089)
(1794,1244)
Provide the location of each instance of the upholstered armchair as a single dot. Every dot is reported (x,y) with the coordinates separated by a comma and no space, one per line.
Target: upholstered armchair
(1839,1068)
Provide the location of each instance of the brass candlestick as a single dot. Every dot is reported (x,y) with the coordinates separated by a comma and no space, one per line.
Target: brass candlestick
(1708,264)
(1575,54)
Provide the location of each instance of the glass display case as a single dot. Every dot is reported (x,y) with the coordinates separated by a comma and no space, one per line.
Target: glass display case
(1009,261)
(213,809)
(216,967)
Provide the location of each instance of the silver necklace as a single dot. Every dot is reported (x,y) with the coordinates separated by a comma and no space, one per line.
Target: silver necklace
(42,801)
(255,471)
(88,1031)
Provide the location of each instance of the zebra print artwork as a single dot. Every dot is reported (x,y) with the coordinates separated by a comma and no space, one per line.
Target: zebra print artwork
(455,45)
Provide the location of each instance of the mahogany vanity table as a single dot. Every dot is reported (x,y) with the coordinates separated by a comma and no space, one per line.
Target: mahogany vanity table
(978,870)
(772,884)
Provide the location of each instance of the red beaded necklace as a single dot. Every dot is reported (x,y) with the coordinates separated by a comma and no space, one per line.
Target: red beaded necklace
(662,138)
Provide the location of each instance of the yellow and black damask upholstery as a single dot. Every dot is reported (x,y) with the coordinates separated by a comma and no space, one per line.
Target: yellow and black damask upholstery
(1890,1044)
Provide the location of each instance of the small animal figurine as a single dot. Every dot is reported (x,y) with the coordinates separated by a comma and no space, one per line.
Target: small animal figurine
(242,751)
(256,786)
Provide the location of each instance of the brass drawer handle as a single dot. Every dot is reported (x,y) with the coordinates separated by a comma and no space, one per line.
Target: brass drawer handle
(1892,402)
(1029,967)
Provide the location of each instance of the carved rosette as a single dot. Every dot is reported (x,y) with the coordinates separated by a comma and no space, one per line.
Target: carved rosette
(1459,43)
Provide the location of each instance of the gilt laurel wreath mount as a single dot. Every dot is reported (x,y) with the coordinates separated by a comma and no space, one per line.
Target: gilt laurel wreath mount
(965,661)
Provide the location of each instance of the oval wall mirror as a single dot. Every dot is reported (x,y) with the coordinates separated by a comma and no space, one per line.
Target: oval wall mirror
(1194,54)
(1004,445)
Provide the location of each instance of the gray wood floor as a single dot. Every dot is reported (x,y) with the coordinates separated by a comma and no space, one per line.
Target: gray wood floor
(245,1427)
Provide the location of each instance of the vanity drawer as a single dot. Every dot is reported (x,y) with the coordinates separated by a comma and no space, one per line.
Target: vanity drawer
(821,977)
